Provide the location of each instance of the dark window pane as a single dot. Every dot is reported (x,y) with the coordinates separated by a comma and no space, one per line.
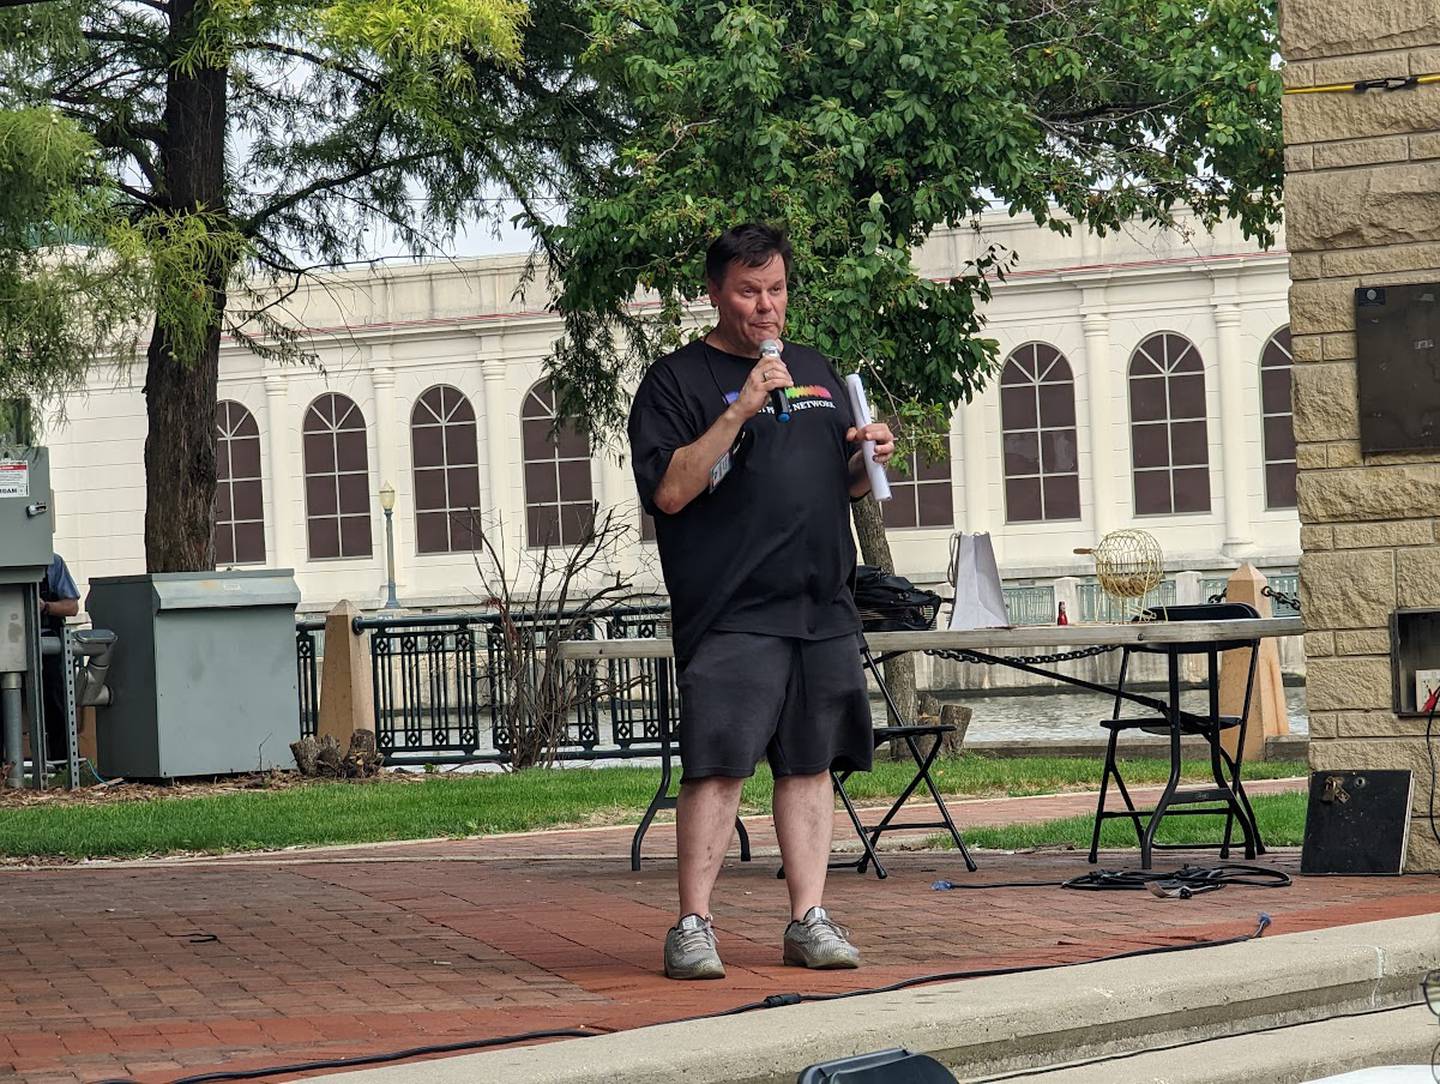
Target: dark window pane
(542,525)
(354,494)
(1057,404)
(1280,485)
(540,486)
(355,536)
(464,487)
(575,480)
(899,511)
(320,495)
(1275,391)
(249,543)
(1057,451)
(1055,369)
(936,471)
(1147,399)
(576,522)
(1187,444)
(224,544)
(320,417)
(934,504)
(245,425)
(1187,396)
(1017,408)
(350,445)
(429,489)
(224,503)
(245,458)
(319,453)
(539,401)
(428,446)
(1022,500)
(573,443)
(431,535)
(222,459)
(1192,490)
(535,436)
(347,414)
(1184,358)
(247,498)
(1022,454)
(457,406)
(460,444)
(1152,492)
(324,537)
(428,409)
(464,531)
(1016,371)
(1279,438)
(1062,497)
(1150,446)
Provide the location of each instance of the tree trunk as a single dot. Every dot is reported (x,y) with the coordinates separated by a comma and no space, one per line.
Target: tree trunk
(180,391)
(875,549)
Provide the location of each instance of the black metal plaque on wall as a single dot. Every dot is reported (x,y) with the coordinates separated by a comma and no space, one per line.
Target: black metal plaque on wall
(1397,346)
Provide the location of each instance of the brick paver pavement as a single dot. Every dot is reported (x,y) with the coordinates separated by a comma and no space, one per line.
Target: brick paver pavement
(164,969)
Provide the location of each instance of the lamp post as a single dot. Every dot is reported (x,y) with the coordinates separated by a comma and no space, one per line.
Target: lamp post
(387,503)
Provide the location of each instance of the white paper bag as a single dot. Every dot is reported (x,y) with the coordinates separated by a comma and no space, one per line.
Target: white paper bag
(979,600)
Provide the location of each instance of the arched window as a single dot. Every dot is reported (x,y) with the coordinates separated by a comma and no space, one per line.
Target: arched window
(337,479)
(1037,416)
(447,480)
(559,503)
(1168,444)
(239,500)
(921,495)
(1275,410)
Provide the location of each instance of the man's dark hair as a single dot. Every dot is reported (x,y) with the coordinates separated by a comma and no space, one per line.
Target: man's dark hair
(753,244)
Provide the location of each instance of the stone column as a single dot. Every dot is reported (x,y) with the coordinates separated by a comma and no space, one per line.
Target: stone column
(1230,365)
(973,438)
(390,467)
(347,693)
(1362,207)
(503,459)
(286,514)
(1103,472)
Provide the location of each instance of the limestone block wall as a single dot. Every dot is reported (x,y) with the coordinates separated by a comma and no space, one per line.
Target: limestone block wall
(1362,207)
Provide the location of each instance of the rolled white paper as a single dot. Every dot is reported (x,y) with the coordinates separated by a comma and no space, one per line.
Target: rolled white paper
(860,410)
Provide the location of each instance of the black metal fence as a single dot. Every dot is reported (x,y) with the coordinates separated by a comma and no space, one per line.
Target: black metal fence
(443,684)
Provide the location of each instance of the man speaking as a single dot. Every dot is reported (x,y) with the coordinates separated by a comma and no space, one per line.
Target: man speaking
(745,453)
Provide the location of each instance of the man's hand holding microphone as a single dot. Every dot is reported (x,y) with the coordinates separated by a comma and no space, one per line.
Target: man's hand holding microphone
(768,379)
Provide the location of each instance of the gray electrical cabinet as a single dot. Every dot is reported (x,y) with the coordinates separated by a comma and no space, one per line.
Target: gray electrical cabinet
(204,682)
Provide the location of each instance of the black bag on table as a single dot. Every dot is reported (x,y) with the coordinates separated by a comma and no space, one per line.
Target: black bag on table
(891,603)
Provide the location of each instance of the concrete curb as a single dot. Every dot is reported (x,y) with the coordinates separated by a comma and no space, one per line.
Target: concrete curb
(996,1024)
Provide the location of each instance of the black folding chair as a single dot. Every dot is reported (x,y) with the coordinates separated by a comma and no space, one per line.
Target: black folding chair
(1195,801)
(911,734)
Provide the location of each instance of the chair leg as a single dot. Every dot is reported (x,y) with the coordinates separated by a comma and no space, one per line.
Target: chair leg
(865,840)
(1147,843)
(1104,789)
(924,773)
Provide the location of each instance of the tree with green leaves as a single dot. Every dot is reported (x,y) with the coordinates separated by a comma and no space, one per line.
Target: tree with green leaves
(864,125)
(170,152)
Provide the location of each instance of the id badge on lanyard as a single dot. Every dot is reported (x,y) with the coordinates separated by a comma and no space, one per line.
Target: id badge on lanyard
(735,455)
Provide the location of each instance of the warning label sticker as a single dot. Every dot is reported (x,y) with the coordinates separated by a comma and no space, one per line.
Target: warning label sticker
(14,478)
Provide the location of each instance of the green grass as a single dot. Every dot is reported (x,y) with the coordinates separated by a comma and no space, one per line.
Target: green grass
(1281,818)
(458,805)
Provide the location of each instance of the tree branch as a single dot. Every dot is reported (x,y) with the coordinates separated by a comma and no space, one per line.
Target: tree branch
(314,58)
(252,224)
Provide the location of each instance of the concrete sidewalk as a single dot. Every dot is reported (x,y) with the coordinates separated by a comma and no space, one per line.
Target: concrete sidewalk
(156,970)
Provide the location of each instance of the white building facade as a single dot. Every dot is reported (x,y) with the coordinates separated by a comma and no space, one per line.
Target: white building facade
(1146,385)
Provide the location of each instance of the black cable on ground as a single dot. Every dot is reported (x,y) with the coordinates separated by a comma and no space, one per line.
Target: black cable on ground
(1430,753)
(771,1002)
(1184,882)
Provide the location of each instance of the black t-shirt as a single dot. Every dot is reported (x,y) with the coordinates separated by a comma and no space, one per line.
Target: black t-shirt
(768,549)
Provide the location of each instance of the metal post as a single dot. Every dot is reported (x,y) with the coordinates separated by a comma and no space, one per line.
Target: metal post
(10,719)
(391,603)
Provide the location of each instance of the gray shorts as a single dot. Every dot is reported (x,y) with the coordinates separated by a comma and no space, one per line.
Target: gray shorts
(801,704)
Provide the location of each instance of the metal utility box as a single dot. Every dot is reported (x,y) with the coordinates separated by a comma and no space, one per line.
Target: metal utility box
(1397,346)
(205,682)
(27,529)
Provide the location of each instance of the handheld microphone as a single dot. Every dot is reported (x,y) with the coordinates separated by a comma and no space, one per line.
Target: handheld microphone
(770,348)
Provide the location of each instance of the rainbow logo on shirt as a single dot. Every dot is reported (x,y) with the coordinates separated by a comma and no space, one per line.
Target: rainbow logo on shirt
(803,396)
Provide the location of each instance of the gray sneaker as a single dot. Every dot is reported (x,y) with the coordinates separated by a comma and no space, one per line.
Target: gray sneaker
(690,950)
(815,941)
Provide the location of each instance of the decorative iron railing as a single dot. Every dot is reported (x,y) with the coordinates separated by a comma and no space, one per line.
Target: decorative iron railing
(309,650)
(1033,605)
